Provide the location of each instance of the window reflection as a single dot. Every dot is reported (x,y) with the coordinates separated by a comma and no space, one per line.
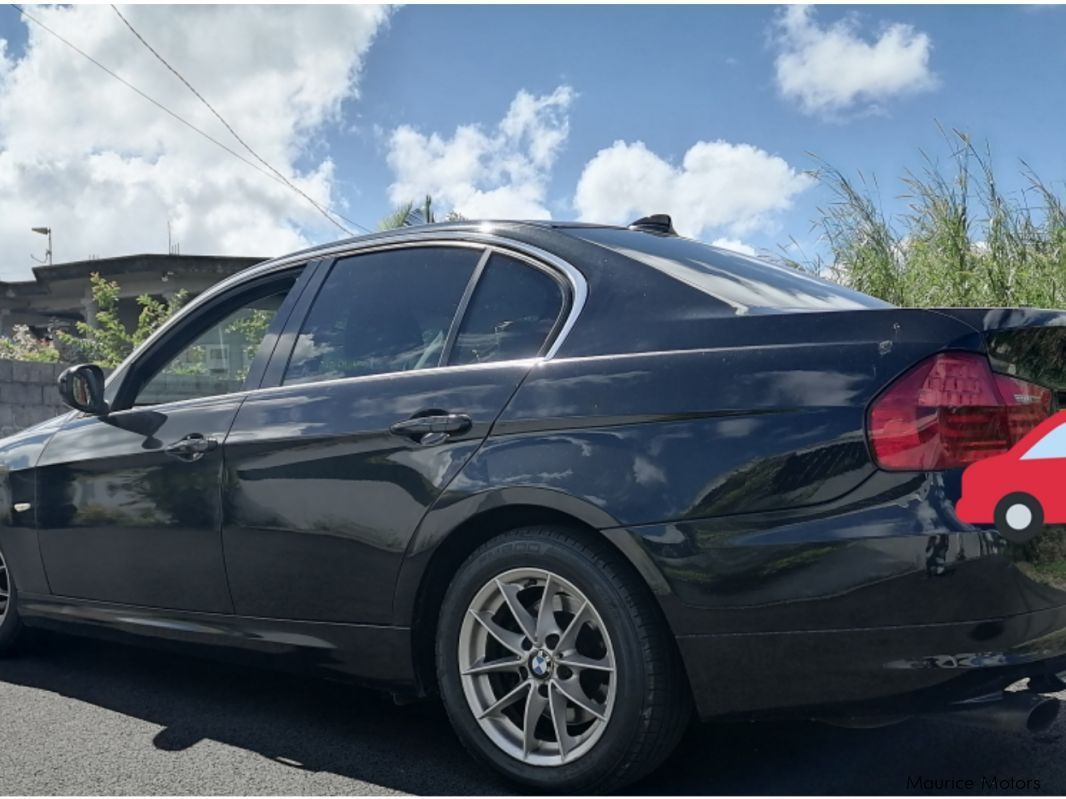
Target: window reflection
(511,314)
(746,285)
(218,360)
(382,312)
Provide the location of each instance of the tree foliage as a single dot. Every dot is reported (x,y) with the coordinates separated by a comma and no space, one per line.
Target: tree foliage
(108,342)
(411,214)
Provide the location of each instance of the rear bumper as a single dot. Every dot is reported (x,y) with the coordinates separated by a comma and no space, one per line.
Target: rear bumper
(870,672)
(882,601)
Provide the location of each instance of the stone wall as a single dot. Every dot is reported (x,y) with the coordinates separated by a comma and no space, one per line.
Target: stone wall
(28,394)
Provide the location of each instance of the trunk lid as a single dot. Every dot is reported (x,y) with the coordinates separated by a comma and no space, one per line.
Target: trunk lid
(1028,343)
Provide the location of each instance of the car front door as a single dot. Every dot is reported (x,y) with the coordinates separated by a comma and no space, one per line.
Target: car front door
(401,363)
(129,504)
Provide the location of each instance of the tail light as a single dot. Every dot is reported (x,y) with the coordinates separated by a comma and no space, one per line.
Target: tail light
(951,410)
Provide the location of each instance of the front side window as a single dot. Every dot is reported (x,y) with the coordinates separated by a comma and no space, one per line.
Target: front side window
(1053,445)
(511,314)
(218,359)
(382,312)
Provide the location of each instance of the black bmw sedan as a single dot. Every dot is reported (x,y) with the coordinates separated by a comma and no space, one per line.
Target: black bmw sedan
(579,481)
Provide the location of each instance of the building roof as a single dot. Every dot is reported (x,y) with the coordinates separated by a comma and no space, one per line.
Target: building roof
(126,264)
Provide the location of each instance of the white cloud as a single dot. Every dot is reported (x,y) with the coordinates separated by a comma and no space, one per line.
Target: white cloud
(106,169)
(736,245)
(829,70)
(501,173)
(719,185)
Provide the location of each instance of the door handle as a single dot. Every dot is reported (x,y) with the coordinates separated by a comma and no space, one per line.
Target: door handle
(432,429)
(191,448)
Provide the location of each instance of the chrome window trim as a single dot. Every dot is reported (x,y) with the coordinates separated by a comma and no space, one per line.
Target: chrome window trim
(267,390)
(530,362)
(453,238)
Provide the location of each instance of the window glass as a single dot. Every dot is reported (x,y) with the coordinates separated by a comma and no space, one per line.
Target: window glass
(1053,445)
(748,285)
(513,310)
(382,312)
(218,359)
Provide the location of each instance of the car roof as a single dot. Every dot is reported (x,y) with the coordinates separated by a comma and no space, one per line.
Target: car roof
(629,302)
(470,225)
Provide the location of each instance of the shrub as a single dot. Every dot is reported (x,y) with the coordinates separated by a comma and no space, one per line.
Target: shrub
(22,345)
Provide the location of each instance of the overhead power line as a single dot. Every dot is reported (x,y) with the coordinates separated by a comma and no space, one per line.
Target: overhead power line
(226,124)
(276,177)
(129,85)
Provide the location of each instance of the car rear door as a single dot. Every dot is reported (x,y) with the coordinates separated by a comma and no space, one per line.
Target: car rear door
(128,505)
(388,379)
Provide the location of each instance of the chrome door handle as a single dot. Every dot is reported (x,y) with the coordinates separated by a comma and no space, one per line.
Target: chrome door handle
(191,448)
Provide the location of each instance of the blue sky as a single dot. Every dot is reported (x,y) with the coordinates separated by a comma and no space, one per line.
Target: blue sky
(669,77)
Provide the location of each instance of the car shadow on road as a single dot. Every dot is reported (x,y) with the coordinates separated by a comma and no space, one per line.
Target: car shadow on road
(318,726)
(918,756)
(300,722)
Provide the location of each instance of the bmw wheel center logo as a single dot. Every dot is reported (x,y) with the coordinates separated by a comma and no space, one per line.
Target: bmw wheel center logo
(540,663)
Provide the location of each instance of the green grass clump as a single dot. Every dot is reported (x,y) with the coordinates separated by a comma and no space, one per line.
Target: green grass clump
(960,241)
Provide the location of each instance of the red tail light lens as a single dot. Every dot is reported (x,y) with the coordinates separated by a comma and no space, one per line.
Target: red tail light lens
(952,410)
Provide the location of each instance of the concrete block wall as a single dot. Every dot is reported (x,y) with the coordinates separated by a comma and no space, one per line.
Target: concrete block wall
(28,394)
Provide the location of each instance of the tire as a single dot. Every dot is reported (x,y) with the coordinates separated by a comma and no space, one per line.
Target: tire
(1019,517)
(614,676)
(10,624)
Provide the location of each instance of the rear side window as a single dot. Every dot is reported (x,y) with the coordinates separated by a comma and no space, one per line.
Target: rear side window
(382,312)
(747,285)
(512,313)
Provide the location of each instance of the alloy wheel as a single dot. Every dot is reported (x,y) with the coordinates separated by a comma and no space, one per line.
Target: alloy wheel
(537,667)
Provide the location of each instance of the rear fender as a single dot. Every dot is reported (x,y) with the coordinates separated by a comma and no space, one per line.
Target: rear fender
(454,511)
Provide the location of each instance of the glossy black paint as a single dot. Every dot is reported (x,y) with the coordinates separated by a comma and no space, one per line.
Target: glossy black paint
(321,498)
(724,454)
(373,653)
(18,530)
(121,520)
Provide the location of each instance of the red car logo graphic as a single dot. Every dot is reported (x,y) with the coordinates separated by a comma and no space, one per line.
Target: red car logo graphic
(1020,490)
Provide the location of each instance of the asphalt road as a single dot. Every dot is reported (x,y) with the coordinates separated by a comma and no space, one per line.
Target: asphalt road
(82,717)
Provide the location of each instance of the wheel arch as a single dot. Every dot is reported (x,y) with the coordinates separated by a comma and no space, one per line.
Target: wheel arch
(446,540)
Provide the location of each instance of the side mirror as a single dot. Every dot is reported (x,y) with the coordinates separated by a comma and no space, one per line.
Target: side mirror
(82,388)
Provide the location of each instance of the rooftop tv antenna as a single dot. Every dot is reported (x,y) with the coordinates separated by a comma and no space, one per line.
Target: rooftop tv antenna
(44,231)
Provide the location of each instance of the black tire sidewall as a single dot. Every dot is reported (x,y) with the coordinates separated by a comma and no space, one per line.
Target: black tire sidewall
(1036,525)
(11,625)
(526,549)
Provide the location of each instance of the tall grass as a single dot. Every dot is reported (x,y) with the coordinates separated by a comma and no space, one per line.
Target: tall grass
(959,241)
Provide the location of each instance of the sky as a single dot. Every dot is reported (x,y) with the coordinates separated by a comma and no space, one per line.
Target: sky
(714,114)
